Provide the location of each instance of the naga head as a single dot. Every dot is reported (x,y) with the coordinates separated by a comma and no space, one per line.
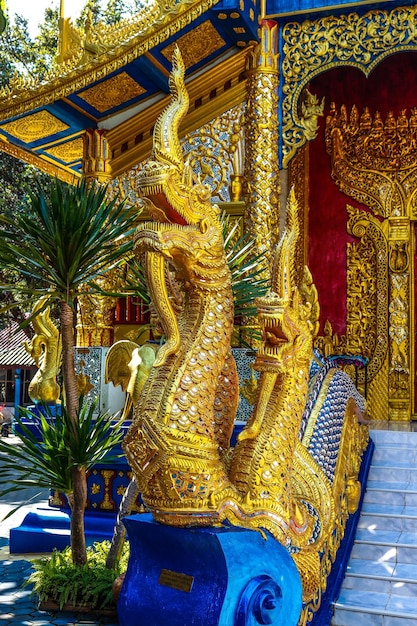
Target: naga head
(288,314)
(166,182)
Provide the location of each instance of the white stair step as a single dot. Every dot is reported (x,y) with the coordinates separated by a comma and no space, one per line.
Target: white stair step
(380,586)
(382,437)
(382,577)
(388,517)
(385,552)
(401,495)
(404,456)
(356,608)
(386,472)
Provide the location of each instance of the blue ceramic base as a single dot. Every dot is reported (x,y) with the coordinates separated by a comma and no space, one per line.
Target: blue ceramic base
(225,576)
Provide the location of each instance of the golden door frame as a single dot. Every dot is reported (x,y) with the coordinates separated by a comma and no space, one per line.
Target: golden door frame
(386,234)
(374,161)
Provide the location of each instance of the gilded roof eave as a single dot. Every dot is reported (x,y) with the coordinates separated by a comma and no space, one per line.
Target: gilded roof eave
(27,98)
(31,158)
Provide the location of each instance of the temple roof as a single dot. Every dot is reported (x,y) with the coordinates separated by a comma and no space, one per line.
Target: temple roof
(115,78)
(12,350)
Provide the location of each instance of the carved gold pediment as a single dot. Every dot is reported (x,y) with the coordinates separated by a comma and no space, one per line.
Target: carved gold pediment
(374,160)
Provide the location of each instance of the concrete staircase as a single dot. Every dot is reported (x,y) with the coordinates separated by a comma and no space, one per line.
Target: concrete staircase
(380,586)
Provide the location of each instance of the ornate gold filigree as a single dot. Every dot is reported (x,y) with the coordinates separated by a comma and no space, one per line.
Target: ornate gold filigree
(375,162)
(314,46)
(399,374)
(367,303)
(36,126)
(196,45)
(69,151)
(262,184)
(112,92)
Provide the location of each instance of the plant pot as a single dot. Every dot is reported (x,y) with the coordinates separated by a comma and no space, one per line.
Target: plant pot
(50,605)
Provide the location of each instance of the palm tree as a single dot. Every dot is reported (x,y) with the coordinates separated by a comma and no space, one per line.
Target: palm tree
(70,237)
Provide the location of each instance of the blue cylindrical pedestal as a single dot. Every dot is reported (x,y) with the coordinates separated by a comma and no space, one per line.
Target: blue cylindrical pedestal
(225,576)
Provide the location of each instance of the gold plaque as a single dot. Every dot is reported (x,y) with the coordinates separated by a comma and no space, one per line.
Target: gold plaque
(69,151)
(176,580)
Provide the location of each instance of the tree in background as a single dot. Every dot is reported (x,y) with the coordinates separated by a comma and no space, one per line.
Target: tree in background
(26,56)
(70,237)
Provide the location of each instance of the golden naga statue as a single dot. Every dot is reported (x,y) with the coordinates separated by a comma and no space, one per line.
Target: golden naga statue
(45,349)
(178,445)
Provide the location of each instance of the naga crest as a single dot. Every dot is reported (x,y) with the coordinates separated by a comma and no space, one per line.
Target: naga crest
(291,307)
(166,182)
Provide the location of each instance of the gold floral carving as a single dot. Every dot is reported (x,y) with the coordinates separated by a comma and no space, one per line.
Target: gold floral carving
(374,160)
(298,179)
(367,278)
(314,46)
(112,92)
(367,299)
(399,373)
(197,44)
(262,184)
(67,152)
(35,126)
(214,152)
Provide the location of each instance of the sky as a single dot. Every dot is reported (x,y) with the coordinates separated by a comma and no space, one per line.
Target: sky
(33,10)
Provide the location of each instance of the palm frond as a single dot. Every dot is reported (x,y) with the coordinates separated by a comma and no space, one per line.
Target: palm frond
(70,236)
(49,450)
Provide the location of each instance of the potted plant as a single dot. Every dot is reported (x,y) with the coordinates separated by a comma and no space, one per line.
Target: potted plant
(61,585)
(70,237)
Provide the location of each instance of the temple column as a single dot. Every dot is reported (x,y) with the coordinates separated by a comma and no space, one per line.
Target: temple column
(399,319)
(95,315)
(262,184)
(96,156)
